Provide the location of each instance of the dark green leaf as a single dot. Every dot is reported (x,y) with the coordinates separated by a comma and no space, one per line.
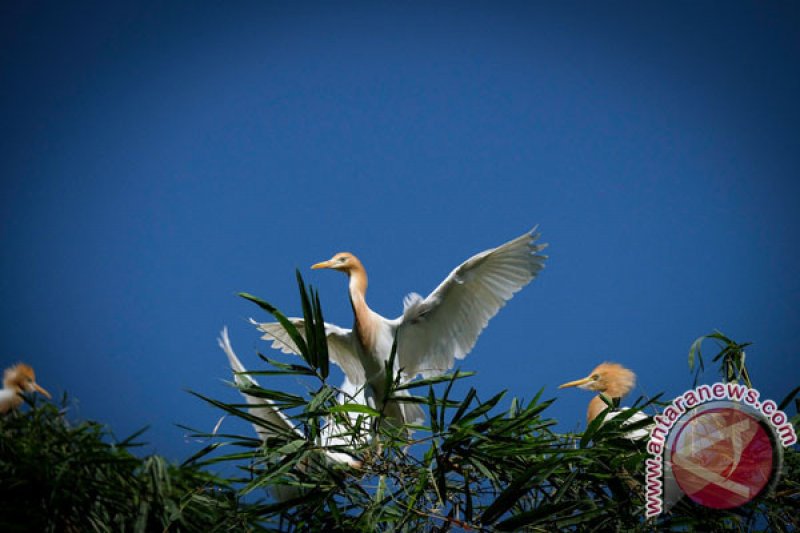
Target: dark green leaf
(298,340)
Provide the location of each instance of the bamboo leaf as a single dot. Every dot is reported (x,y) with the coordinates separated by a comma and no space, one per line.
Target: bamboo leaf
(482,408)
(432,411)
(515,490)
(308,323)
(788,399)
(287,325)
(434,380)
(544,514)
(355,408)
(463,406)
(321,337)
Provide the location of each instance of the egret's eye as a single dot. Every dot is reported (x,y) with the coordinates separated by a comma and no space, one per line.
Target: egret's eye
(342,259)
(595,377)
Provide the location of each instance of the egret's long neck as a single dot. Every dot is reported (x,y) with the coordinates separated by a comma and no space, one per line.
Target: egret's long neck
(596,406)
(365,323)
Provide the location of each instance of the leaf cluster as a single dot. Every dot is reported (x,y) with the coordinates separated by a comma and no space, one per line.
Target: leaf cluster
(58,476)
(477,465)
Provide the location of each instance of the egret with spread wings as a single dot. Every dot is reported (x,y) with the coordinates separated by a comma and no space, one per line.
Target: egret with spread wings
(431,333)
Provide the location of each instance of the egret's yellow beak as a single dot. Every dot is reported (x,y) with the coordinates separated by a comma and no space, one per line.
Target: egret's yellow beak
(323,264)
(576,383)
(40,389)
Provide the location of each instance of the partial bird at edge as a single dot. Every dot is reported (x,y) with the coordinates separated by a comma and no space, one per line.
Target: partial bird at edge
(16,380)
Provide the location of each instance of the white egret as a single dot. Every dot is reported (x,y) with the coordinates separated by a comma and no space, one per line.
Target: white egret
(431,333)
(16,380)
(275,422)
(614,381)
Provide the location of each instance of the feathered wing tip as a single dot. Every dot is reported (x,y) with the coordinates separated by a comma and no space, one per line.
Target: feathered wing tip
(225,343)
(535,235)
(274,331)
(444,326)
(261,407)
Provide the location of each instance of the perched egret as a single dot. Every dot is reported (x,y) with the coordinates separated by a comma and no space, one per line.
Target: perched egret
(431,333)
(614,381)
(16,380)
(275,422)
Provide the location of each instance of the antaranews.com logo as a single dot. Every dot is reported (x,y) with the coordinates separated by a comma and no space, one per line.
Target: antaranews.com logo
(717,444)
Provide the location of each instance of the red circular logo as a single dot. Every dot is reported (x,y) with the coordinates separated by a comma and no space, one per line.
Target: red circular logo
(722,457)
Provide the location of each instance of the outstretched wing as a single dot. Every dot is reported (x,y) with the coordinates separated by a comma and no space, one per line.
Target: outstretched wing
(341,345)
(445,326)
(262,408)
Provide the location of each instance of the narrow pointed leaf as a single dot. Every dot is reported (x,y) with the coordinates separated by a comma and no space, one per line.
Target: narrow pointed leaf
(285,322)
(354,408)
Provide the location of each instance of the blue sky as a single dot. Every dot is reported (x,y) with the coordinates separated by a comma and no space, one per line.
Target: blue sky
(156,160)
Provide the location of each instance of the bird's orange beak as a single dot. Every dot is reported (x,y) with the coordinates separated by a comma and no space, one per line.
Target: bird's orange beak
(323,264)
(38,388)
(576,383)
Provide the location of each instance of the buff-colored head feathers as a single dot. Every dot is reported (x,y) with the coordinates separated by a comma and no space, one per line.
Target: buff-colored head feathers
(16,379)
(350,265)
(343,262)
(611,379)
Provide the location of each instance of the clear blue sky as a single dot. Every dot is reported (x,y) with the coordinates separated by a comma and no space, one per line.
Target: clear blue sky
(158,159)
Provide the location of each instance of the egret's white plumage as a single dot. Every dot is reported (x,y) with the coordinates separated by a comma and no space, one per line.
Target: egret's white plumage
(17,379)
(615,381)
(432,332)
(275,422)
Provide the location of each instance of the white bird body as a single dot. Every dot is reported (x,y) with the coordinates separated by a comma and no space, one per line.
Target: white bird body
(275,421)
(635,434)
(9,399)
(431,333)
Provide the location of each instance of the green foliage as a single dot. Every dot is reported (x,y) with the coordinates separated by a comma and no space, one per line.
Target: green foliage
(312,343)
(480,464)
(483,465)
(731,359)
(57,476)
